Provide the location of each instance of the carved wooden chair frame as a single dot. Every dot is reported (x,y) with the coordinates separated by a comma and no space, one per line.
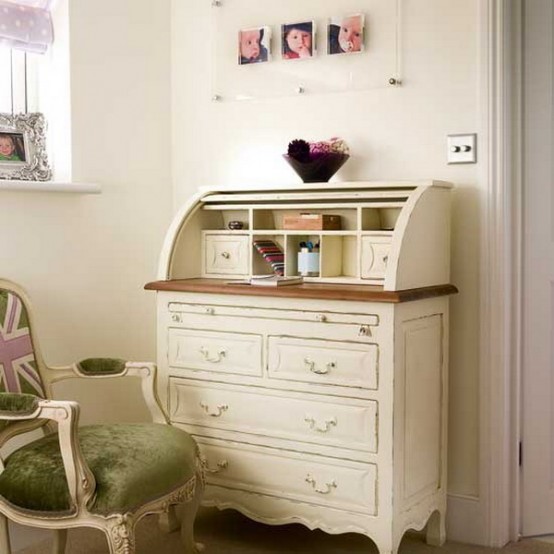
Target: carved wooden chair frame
(119,528)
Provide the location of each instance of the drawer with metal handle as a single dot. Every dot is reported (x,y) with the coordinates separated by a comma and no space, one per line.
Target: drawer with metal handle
(215,351)
(340,363)
(226,255)
(327,421)
(301,477)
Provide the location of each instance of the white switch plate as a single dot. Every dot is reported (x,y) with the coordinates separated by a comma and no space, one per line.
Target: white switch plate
(462,149)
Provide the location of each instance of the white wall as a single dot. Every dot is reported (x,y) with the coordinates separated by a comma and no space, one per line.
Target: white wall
(85,259)
(396,133)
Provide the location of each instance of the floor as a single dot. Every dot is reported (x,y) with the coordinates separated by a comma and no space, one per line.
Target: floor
(229,532)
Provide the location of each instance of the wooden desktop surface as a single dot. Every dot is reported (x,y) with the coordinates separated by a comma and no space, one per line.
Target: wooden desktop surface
(323,291)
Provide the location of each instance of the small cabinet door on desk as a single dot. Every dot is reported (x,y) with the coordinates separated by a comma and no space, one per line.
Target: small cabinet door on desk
(375,256)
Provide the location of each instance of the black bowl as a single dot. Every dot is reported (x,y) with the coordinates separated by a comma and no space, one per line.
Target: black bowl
(320,169)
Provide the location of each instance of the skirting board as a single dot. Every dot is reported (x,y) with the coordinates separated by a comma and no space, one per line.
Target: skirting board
(465,521)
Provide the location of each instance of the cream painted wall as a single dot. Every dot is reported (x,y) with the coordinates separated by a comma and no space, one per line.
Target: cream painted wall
(85,259)
(393,133)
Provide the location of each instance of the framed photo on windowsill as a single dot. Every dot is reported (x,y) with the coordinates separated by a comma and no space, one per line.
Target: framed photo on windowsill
(23,147)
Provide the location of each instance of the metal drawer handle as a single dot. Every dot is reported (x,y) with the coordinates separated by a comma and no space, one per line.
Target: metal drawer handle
(328,486)
(221,466)
(221,353)
(226,255)
(221,408)
(310,364)
(320,428)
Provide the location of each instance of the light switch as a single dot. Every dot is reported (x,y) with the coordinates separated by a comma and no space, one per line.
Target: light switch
(462,149)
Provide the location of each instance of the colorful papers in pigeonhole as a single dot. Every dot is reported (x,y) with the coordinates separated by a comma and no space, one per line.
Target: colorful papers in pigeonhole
(272,254)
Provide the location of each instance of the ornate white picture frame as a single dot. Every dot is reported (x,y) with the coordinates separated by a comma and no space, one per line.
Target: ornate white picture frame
(23,153)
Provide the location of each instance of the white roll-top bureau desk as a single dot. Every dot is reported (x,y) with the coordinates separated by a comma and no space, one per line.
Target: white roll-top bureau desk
(322,403)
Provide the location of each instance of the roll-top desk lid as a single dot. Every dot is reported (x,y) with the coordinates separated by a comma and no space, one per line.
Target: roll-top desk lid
(392,244)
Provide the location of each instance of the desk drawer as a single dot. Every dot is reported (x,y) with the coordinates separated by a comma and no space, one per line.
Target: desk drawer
(226,255)
(338,422)
(365,324)
(346,364)
(312,479)
(216,351)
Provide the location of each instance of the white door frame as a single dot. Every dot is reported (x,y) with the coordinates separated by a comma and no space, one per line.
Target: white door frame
(500,359)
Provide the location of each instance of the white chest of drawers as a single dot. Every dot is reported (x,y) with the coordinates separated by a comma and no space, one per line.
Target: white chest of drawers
(323,404)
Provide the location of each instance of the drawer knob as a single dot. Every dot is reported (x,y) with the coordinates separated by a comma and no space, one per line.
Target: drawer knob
(321,317)
(328,486)
(310,364)
(218,412)
(209,311)
(321,428)
(385,259)
(176,318)
(221,466)
(225,255)
(220,354)
(365,331)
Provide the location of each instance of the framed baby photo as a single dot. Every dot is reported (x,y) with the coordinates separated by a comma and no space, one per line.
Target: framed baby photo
(254,45)
(345,34)
(298,40)
(23,147)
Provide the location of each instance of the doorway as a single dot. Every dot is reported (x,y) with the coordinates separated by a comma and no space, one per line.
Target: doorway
(537,468)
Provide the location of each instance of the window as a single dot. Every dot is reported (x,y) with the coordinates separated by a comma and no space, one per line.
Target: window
(19,73)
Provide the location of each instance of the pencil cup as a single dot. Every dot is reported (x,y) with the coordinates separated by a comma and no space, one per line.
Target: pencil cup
(308,263)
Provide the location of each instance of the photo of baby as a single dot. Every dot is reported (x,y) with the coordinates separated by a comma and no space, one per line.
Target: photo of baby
(345,34)
(298,40)
(12,147)
(254,45)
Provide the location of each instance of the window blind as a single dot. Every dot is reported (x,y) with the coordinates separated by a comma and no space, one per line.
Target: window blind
(26,25)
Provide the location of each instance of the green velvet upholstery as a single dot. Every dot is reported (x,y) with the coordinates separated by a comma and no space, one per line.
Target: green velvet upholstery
(132,464)
(101,366)
(17,404)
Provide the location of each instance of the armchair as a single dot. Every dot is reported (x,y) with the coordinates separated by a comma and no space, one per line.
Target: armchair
(102,476)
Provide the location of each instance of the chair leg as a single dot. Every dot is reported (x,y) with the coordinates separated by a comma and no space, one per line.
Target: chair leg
(169,521)
(60,541)
(121,536)
(4,535)
(190,509)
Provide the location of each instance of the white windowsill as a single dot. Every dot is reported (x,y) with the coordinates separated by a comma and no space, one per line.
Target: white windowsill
(50,186)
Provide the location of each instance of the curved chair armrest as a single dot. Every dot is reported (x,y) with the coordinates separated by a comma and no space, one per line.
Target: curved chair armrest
(104,368)
(19,407)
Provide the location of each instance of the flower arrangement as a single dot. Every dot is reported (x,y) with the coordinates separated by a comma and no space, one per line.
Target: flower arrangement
(317,161)
(305,151)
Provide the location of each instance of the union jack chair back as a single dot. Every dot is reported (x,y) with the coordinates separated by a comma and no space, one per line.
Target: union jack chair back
(102,476)
(19,358)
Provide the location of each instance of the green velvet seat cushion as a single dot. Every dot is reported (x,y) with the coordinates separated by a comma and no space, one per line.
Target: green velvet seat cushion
(132,464)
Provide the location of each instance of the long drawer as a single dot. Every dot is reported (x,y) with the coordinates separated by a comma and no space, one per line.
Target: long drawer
(217,351)
(316,480)
(347,364)
(363,325)
(339,422)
